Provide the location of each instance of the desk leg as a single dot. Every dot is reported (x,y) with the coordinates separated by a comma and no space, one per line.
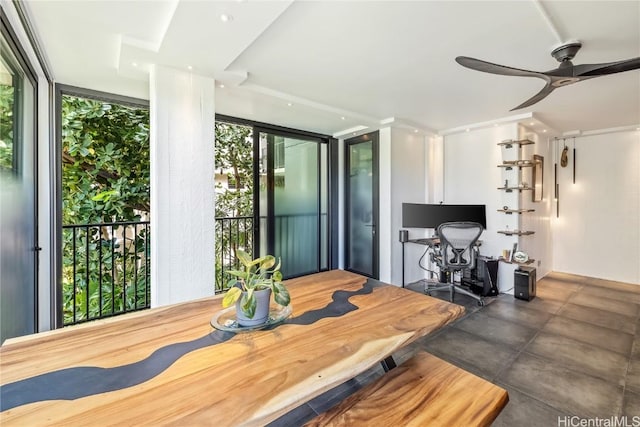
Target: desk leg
(403,264)
(388,364)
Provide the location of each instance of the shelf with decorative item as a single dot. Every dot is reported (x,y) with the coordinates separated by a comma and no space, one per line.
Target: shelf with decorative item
(510,189)
(527,262)
(509,165)
(508,143)
(518,211)
(516,232)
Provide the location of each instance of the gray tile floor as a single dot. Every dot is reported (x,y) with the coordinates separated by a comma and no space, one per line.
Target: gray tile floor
(574,350)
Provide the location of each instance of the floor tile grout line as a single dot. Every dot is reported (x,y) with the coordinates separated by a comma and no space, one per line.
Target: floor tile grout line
(524,347)
(527,394)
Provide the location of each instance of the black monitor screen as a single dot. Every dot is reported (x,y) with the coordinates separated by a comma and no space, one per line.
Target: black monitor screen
(415,215)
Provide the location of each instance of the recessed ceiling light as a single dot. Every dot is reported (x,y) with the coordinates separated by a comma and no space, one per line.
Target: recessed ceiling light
(135,64)
(532,123)
(415,130)
(226,18)
(467,130)
(221,86)
(544,130)
(189,67)
(495,125)
(289,104)
(354,133)
(342,118)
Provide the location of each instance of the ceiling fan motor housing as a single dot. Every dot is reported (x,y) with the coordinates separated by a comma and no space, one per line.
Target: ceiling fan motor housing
(566,52)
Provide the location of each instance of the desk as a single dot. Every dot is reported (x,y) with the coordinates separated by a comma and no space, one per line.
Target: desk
(168,366)
(427,241)
(431,243)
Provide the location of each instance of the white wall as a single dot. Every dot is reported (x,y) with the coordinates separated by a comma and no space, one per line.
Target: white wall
(434,169)
(408,185)
(471,176)
(598,231)
(182,186)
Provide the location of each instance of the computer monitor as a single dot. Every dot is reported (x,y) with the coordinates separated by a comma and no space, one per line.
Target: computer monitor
(416,215)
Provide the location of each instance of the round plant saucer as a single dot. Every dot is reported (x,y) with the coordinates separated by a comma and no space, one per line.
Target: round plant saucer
(225,320)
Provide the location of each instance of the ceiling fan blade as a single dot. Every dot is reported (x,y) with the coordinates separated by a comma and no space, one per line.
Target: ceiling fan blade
(594,70)
(488,67)
(546,90)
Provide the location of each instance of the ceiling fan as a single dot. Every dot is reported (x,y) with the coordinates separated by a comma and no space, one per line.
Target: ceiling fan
(564,75)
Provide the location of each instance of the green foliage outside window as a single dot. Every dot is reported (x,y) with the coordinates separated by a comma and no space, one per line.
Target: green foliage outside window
(105,178)
(105,161)
(234,196)
(6,128)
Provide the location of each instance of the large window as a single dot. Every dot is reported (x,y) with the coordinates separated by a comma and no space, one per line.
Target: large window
(293,201)
(105,206)
(272,196)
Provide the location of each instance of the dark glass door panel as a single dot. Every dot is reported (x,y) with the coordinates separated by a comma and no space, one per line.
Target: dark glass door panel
(18,238)
(362,205)
(293,202)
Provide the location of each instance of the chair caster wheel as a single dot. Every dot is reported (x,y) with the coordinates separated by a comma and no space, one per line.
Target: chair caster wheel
(481,303)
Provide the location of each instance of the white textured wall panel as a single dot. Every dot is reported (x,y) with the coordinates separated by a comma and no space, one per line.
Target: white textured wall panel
(182,187)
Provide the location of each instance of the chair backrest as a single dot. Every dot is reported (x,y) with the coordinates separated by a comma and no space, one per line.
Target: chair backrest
(457,241)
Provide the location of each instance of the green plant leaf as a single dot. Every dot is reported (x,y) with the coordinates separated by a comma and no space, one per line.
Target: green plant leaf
(104,195)
(277,267)
(231,297)
(281,294)
(244,257)
(268,262)
(277,276)
(249,304)
(238,273)
(232,283)
(259,261)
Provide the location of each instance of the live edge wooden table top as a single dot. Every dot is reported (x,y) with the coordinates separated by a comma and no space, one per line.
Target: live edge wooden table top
(169,366)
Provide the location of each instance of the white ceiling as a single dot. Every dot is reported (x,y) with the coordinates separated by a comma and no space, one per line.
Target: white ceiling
(343,64)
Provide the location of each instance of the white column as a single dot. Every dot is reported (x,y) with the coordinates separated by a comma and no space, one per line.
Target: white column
(384,204)
(182,186)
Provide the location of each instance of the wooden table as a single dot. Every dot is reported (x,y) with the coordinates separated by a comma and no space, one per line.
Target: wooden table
(169,366)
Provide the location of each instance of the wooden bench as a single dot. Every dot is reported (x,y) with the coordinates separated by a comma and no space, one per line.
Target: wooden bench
(424,391)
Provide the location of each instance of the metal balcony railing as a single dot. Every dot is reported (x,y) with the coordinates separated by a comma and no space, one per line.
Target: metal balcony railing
(300,243)
(105,270)
(232,233)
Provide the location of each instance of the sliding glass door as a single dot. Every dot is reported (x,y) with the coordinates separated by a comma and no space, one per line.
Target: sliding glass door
(18,234)
(292,201)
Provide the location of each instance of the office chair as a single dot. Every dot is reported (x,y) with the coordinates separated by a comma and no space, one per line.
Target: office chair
(456,253)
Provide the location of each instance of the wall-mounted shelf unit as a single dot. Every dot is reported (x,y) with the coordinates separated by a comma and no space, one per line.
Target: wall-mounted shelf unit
(510,143)
(516,232)
(519,165)
(518,211)
(527,262)
(510,189)
(512,166)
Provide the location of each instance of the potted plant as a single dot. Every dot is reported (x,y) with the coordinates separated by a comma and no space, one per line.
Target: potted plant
(251,288)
